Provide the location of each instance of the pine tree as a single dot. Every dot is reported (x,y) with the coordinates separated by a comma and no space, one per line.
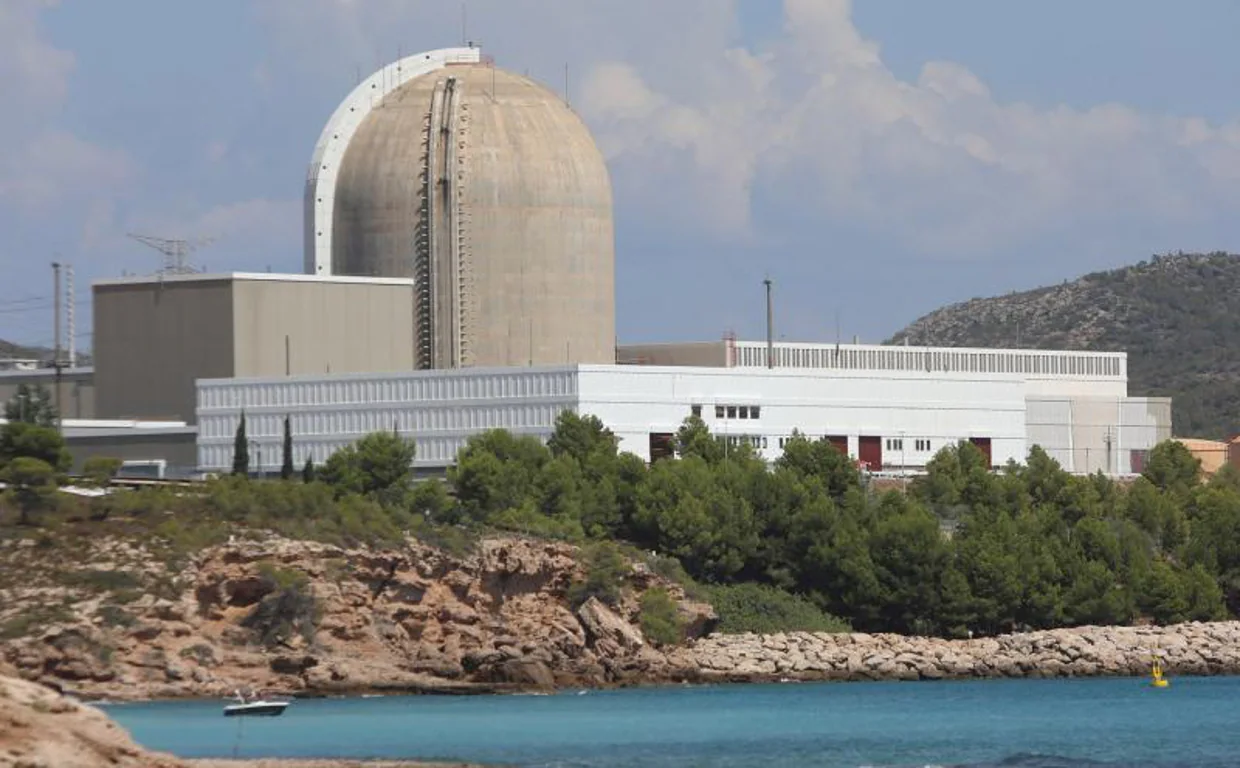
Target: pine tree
(241,450)
(286,469)
(307,472)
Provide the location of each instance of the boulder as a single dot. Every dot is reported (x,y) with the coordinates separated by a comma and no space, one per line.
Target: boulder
(601,623)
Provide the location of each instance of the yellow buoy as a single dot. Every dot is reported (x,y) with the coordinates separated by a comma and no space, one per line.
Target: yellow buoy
(1156,676)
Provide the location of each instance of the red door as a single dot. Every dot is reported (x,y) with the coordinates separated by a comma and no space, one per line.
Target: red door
(839,443)
(870,452)
(984,444)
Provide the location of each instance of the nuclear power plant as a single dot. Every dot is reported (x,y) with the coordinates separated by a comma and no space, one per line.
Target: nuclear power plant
(459,276)
(487,191)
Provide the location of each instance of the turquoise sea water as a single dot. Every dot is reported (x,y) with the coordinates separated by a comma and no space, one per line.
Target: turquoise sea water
(1030,724)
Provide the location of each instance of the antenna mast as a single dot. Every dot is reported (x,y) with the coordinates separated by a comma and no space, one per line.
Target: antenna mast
(770,326)
(69,319)
(176,252)
(57,363)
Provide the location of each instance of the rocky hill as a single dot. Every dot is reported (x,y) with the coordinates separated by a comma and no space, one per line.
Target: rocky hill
(1177,316)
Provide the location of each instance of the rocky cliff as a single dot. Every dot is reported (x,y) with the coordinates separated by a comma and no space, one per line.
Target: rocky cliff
(308,618)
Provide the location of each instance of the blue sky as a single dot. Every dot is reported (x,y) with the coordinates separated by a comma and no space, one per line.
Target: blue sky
(877,160)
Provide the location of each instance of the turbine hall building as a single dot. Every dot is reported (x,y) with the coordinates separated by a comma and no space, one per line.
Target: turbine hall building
(890,408)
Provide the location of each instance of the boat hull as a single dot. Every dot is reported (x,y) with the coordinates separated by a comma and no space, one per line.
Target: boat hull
(255,710)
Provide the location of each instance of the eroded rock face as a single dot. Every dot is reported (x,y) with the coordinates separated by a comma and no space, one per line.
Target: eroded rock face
(409,620)
(40,728)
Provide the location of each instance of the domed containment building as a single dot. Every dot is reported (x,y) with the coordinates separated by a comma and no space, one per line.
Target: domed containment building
(488,191)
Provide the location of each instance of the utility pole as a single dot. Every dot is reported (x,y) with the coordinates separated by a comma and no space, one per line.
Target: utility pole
(770,327)
(56,339)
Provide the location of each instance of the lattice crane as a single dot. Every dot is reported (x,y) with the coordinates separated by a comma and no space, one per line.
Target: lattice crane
(176,252)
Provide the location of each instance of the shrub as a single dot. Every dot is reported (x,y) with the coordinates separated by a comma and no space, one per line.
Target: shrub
(106,581)
(115,616)
(34,621)
(606,572)
(455,540)
(660,621)
(764,609)
(288,611)
(670,568)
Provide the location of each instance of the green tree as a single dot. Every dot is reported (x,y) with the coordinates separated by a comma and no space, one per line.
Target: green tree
(241,450)
(1172,468)
(307,470)
(495,472)
(286,466)
(581,438)
(694,439)
(20,439)
(32,484)
(691,510)
(32,405)
(822,460)
(380,465)
(431,500)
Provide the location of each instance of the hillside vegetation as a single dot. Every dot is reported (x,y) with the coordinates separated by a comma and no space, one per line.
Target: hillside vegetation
(1177,316)
(9,349)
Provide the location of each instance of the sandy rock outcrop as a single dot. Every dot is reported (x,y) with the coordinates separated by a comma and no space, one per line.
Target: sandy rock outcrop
(298,617)
(40,728)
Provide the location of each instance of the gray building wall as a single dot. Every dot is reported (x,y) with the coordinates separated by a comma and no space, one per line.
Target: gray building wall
(77,388)
(177,447)
(711,354)
(330,326)
(155,338)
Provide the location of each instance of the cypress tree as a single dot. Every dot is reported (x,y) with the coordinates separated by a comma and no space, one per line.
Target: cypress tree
(286,469)
(307,472)
(241,450)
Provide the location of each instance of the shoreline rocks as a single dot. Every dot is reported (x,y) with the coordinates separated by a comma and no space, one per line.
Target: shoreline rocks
(1185,649)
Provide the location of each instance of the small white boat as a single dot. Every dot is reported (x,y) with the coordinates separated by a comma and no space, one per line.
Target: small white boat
(256,708)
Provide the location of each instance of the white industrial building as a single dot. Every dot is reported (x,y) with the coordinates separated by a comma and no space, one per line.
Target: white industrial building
(892,408)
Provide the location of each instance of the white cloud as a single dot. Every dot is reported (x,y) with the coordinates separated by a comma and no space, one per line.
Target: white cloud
(45,166)
(954,168)
(697,128)
(57,167)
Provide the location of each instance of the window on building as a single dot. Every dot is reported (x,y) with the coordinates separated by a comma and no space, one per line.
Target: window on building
(742,411)
(895,444)
(755,412)
(731,411)
(718,411)
(697,411)
(922,445)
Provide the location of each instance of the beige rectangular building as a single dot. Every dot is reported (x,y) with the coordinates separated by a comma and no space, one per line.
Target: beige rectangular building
(155,336)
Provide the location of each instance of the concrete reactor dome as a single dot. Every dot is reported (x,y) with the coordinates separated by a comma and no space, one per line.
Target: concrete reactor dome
(485,189)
